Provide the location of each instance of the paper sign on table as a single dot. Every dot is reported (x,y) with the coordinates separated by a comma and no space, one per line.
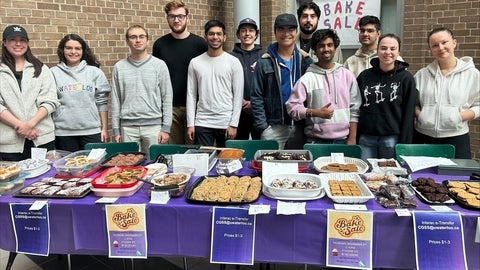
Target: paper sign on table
(255,209)
(337,158)
(291,208)
(349,239)
(439,242)
(96,153)
(271,168)
(159,197)
(38,153)
(32,229)
(126,230)
(233,236)
(417,163)
(197,161)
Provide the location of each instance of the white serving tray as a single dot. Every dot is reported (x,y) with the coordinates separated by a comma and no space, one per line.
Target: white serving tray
(293,193)
(366,193)
(323,161)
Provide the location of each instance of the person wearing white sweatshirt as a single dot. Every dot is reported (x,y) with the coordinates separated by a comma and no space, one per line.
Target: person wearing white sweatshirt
(449,97)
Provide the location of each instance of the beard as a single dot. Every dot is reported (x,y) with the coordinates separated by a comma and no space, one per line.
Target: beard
(178,30)
(308,31)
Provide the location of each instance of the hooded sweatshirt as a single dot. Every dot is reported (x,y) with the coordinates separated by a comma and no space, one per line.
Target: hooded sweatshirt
(24,104)
(318,87)
(442,98)
(388,101)
(248,59)
(83,92)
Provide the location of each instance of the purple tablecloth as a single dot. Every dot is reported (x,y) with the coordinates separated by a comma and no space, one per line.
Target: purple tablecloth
(183,229)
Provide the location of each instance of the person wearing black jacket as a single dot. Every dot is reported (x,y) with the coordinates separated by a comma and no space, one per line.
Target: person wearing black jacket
(388,102)
(248,53)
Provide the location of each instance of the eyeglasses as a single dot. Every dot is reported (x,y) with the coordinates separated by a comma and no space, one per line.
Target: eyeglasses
(134,37)
(367,30)
(285,30)
(211,34)
(180,17)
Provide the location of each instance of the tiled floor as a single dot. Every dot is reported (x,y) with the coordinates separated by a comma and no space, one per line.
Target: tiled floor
(85,262)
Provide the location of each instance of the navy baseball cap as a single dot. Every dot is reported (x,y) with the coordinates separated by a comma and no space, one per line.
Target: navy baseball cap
(248,21)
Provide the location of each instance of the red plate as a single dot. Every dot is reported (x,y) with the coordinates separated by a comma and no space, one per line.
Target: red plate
(259,167)
(120,177)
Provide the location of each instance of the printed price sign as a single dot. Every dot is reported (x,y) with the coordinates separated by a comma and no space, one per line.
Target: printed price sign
(32,229)
(233,236)
(439,242)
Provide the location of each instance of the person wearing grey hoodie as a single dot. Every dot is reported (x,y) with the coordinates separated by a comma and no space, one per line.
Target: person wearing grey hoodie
(83,91)
(327,96)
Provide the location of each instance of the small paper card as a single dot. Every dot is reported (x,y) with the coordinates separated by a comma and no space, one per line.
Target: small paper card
(337,158)
(272,168)
(197,161)
(96,153)
(39,153)
(256,209)
(355,207)
(403,212)
(107,200)
(159,197)
(290,208)
(37,205)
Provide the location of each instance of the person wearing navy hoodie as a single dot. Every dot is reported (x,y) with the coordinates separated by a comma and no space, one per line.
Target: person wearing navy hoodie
(388,102)
(248,53)
(83,91)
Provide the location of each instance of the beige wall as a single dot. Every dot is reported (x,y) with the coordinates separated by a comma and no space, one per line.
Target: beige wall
(103,23)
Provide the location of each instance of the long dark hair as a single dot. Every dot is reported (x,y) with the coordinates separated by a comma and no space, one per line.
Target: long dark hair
(9,61)
(87,54)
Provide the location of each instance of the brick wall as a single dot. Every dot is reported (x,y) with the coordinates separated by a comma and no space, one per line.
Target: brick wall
(103,23)
(462,16)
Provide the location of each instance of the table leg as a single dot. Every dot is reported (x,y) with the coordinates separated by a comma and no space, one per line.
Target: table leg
(185,264)
(11,258)
(69,262)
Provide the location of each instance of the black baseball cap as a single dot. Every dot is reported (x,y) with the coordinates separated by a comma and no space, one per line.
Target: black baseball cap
(13,31)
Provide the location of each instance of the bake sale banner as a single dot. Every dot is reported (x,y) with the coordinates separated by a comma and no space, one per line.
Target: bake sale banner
(344,17)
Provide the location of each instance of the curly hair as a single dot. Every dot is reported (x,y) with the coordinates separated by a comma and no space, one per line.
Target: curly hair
(87,54)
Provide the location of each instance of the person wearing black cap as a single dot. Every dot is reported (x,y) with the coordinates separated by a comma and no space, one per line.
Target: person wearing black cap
(248,53)
(275,74)
(28,97)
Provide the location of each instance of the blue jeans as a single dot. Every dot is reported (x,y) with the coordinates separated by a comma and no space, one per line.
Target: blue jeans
(378,146)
